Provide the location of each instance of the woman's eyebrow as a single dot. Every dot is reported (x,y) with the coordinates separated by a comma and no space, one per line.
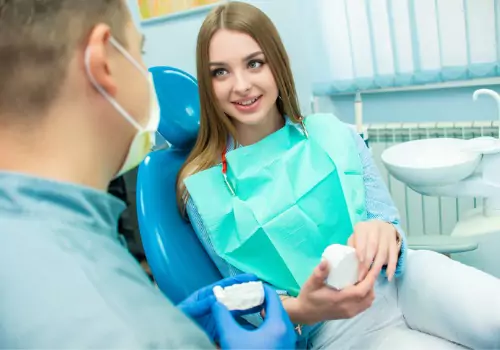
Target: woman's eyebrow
(249,57)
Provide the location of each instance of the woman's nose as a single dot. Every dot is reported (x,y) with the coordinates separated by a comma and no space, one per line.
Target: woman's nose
(242,85)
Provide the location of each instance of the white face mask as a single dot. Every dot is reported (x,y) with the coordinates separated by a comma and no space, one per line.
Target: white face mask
(144,139)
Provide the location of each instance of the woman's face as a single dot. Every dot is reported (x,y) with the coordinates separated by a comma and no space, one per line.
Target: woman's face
(242,80)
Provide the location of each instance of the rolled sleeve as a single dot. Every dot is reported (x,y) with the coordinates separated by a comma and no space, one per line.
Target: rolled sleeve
(379,204)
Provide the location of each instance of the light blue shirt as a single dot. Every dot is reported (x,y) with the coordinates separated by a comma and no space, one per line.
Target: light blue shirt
(66,280)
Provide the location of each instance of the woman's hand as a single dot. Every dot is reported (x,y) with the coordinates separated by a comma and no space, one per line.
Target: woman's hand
(317,302)
(376,244)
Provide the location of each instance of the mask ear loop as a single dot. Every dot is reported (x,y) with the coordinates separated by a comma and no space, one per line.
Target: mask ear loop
(99,88)
(224,173)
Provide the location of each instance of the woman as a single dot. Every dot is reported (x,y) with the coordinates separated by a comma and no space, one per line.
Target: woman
(252,214)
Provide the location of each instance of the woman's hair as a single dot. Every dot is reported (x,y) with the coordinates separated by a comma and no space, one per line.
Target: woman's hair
(215,126)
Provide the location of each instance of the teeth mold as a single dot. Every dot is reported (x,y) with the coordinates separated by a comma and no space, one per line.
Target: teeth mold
(242,296)
(344,266)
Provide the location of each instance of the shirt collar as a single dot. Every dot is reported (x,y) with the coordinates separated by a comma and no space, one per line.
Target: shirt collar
(231,143)
(53,201)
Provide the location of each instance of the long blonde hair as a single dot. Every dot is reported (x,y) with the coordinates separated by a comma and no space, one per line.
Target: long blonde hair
(215,126)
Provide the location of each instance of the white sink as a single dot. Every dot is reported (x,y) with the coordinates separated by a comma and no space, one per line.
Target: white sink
(431,162)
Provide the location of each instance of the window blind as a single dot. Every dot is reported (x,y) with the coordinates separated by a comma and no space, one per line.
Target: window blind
(373,44)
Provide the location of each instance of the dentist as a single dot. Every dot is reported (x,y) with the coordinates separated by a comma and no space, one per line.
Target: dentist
(77,109)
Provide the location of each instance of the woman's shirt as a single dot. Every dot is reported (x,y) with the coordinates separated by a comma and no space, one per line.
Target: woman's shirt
(379,205)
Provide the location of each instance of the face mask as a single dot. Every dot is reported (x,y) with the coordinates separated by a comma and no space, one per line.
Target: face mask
(144,139)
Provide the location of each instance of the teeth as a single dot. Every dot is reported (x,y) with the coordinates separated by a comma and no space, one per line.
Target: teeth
(247,103)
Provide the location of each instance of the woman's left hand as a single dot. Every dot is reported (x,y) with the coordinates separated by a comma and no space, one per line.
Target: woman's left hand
(376,244)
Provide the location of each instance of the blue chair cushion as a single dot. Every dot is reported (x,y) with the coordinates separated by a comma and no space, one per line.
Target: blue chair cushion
(175,255)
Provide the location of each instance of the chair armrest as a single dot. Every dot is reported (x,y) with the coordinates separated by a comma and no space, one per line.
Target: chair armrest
(443,244)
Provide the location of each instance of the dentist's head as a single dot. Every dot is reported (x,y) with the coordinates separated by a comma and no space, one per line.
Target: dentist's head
(76,102)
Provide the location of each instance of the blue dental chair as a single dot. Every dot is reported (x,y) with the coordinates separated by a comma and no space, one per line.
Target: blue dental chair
(177,259)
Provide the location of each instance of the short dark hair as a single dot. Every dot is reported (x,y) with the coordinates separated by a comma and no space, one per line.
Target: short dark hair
(37,41)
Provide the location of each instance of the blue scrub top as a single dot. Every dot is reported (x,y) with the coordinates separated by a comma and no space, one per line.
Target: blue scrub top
(66,281)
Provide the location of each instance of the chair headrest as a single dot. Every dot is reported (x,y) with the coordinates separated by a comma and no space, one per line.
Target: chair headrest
(178,99)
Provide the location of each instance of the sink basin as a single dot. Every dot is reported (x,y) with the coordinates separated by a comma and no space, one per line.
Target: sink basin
(431,162)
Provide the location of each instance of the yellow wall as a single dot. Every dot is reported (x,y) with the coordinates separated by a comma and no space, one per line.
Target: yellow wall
(155,8)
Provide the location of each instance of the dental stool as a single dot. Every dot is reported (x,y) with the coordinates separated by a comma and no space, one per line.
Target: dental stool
(177,259)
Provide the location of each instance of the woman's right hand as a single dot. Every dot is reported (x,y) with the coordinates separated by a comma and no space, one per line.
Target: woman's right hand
(317,302)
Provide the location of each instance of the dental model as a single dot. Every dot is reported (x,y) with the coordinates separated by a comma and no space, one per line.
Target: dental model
(242,296)
(343,264)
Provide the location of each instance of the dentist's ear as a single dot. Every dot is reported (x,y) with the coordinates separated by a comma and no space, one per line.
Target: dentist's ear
(97,59)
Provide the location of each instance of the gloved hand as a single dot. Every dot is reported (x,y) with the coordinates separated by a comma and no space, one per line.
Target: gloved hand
(198,306)
(276,332)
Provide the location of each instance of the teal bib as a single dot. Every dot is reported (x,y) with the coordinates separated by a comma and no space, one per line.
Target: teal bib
(289,196)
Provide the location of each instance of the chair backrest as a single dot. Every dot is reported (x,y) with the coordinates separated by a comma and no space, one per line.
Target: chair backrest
(176,257)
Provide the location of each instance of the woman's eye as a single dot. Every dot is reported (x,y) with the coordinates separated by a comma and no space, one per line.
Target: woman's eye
(218,72)
(255,64)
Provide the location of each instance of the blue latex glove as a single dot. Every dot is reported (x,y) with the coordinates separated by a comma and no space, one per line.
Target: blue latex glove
(198,306)
(276,332)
